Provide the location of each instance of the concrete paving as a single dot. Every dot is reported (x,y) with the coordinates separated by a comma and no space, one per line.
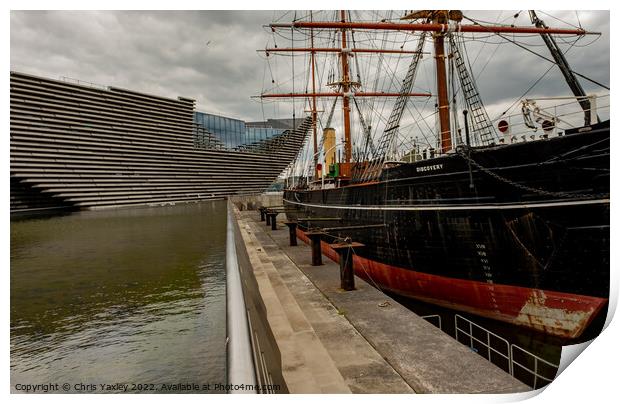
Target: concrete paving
(361,341)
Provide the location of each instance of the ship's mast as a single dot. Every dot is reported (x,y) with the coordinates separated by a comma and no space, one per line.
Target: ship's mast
(445,136)
(440,22)
(314,116)
(343,86)
(440,17)
(346,87)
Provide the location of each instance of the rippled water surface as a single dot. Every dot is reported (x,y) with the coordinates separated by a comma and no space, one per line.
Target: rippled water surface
(123,296)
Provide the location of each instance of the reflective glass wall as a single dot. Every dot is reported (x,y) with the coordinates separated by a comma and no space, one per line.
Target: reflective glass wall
(214,131)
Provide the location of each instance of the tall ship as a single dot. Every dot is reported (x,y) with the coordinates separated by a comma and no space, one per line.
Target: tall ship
(505,218)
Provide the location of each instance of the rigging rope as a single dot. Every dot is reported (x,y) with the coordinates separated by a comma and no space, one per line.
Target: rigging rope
(541,56)
(367,135)
(532,86)
(309,168)
(374,168)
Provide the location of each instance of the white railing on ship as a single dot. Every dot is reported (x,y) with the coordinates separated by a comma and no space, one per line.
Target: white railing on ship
(569,114)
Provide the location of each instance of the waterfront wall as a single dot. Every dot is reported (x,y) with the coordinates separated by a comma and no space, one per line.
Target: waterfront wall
(85,147)
(254,201)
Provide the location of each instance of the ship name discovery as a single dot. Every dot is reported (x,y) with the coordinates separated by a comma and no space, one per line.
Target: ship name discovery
(432,167)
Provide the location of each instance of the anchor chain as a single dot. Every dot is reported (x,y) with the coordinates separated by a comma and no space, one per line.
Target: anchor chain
(461,152)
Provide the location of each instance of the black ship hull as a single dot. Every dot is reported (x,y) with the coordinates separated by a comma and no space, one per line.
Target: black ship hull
(518,233)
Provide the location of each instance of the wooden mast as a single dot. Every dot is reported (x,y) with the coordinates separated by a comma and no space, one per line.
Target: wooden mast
(346,109)
(314,117)
(439,22)
(443,104)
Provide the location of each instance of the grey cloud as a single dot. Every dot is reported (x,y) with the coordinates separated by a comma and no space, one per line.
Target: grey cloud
(166,53)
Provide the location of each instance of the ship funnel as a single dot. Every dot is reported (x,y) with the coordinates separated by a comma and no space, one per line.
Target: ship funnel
(329,147)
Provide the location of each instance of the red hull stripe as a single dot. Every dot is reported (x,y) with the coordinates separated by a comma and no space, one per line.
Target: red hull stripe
(557,313)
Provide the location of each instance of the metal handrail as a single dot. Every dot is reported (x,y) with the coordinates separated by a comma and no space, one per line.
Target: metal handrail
(510,349)
(537,359)
(83,82)
(437,316)
(486,344)
(240,369)
(518,130)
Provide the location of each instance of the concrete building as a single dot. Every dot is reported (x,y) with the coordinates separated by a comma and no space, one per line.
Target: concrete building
(87,147)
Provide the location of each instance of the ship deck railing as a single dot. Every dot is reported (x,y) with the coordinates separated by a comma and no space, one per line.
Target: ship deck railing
(568,115)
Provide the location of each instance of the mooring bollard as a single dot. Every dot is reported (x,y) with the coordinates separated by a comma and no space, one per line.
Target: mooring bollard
(262,213)
(315,245)
(345,254)
(292,233)
(272,216)
(267,218)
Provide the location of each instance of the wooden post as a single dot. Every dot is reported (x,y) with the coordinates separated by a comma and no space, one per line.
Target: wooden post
(272,215)
(315,245)
(345,255)
(262,213)
(292,233)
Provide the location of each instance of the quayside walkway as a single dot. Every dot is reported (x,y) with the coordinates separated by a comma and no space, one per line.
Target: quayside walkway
(361,341)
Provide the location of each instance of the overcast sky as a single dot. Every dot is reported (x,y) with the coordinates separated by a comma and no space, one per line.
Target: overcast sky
(210,56)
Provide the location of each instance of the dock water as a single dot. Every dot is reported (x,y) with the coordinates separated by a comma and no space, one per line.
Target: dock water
(361,341)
